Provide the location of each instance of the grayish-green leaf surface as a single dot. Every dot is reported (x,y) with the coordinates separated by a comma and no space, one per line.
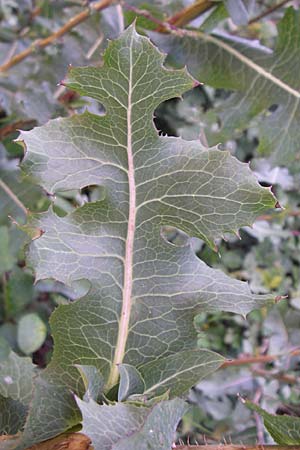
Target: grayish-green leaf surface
(144,291)
(178,373)
(285,430)
(12,415)
(124,427)
(131,382)
(158,431)
(17,193)
(93,382)
(261,78)
(16,376)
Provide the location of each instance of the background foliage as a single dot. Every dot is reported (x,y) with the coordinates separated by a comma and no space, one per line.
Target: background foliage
(258,124)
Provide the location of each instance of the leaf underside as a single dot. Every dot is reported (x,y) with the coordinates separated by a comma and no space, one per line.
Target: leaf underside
(144,291)
(260,78)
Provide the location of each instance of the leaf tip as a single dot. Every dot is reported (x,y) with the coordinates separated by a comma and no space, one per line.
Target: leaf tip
(197,83)
(216,249)
(278,298)
(237,234)
(242,399)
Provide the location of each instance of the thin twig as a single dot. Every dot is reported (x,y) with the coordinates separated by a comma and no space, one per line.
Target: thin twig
(284,377)
(249,360)
(268,11)
(258,419)
(189,13)
(94,47)
(13,196)
(11,51)
(256,359)
(42,43)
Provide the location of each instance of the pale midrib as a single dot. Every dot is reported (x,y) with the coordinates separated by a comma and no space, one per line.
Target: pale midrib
(247,61)
(128,262)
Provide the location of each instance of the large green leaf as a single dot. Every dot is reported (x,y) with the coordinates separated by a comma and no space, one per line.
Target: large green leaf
(260,77)
(285,430)
(144,291)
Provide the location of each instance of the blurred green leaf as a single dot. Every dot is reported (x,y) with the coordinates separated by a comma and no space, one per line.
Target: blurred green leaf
(7,260)
(32,333)
(238,11)
(285,430)
(265,87)
(18,292)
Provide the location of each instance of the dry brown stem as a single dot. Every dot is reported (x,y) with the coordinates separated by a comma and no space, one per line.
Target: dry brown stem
(78,441)
(268,11)
(237,447)
(66,441)
(188,14)
(260,359)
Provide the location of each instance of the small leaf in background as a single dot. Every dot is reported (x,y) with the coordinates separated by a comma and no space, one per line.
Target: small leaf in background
(32,333)
(8,332)
(18,292)
(212,21)
(238,11)
(264,88)
(285,430)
